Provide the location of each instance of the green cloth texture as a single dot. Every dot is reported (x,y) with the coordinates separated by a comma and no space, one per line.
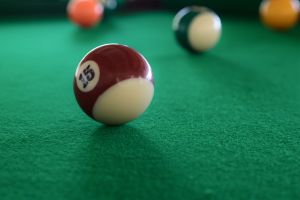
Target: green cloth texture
(223,125)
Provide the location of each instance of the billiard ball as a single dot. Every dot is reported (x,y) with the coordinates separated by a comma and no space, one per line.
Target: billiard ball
(113,84)
(109,6)
(85,13)
(279,14)
(197,29)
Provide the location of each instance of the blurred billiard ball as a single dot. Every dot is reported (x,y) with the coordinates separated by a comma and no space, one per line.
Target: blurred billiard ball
(113,84)
(197,29)
(85,13)
(110,6)
(279,14)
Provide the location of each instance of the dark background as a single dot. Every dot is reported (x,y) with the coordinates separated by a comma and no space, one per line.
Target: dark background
(10,8)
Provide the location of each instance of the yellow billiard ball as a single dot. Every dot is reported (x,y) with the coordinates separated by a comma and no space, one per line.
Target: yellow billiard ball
(279,14)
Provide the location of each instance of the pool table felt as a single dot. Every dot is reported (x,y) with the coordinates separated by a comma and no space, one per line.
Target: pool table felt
(222,125)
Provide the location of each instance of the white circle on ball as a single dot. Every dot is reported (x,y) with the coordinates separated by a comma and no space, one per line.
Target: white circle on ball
(204,31)
(87,76)
(124,101)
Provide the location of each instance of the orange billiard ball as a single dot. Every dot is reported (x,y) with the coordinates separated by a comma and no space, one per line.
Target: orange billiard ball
(279,14)
(85,13)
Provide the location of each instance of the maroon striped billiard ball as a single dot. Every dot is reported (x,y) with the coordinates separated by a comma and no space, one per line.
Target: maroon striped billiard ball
(113,84)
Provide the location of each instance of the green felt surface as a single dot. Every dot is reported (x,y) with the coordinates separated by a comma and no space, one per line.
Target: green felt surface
(224,125)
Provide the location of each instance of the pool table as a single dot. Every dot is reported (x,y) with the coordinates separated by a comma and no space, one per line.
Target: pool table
(222,125)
